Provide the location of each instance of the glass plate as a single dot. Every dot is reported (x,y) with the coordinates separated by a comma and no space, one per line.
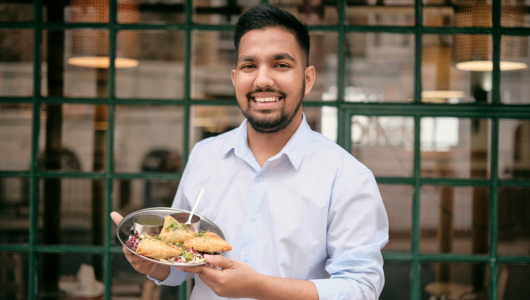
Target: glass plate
(125,230)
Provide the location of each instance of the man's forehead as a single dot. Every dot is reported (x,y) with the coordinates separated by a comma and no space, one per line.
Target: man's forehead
(271,36)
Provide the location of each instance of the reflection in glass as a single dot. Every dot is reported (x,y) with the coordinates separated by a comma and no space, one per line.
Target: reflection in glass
(62,79)
(455,147)
(441,280)
(68,276)
(71,211)
(514,84)
(153,11)
(220,11)
(514,221)
(322,120)
(397,285)
(208,121)
(398,205)
(379,67)
(514,149)
(442,82)
(14,279)
(16,61)
(512,281)
(160,70)
(213,59)
(313,12)
(390,13)
(73,137)
(384,144)
(15,132)
(14,210)
(514,14)
(148,138)
(323,56)
(454,219)
(11,11)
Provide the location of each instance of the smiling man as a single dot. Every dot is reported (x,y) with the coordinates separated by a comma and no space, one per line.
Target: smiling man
(305,218)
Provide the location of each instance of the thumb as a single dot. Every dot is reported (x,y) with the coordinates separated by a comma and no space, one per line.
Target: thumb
(219,261)
(116,217)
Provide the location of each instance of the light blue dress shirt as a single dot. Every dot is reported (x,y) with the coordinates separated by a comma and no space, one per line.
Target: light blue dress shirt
(312,212)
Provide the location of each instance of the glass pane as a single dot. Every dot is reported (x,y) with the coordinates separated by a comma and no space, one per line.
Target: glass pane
(390,13)
(384,144)
(397,281)
(127,283)
(159,72)
(514,149)
(323,56)
(310,12)
(151,11)
(15,133)
(513,220)
(379,67)
(398,204)
(148,138)
(131,195)
(16,62)
(11,11)
(220,11)
(71,211)
(14,279)
(69,276)
(213,58)
(454,219)
(14,210)
(442,81)
(512,281)
(322,120)
(515,69)
(76,11)
(455,147)
(441,280)
(461,13)
(208,121)
(75,63)
(514,14)
(73,137)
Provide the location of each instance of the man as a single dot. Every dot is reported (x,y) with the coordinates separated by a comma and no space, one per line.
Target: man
(305,218)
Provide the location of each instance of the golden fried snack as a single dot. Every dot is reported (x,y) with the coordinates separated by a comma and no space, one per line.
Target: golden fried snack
(174,232)
(207,242)
(156,249)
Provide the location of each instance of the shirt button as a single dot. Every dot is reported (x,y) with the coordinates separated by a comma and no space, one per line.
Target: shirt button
(260,178)
(253,218)
(245,258)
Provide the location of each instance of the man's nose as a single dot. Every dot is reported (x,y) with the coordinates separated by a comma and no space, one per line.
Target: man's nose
(264,78)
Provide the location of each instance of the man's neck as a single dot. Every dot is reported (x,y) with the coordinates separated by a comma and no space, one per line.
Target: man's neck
(266,145)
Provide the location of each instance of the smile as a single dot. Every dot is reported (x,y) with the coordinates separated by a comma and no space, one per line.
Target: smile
(266,99)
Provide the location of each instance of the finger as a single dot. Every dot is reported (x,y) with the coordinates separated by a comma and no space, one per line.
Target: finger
(116,217)
(193,270)
(219,261)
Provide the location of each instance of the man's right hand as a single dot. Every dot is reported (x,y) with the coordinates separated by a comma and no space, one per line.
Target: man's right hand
(139,264)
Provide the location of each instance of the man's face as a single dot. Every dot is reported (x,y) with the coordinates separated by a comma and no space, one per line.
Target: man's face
(271,79)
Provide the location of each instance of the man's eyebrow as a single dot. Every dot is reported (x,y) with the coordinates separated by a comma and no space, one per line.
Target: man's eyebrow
(281,56)
(246,58)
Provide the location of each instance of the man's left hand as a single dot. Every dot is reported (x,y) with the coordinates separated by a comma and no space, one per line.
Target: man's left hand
(234,280)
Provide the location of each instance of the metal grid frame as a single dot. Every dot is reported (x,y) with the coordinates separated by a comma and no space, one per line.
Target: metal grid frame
(416,109)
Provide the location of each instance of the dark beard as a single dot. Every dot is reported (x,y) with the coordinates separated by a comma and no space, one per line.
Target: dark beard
(272,126)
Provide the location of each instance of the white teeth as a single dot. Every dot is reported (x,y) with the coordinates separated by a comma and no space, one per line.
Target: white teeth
(266,99)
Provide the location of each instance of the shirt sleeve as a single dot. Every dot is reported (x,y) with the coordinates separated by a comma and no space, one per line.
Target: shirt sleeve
(174,278)
(357,230)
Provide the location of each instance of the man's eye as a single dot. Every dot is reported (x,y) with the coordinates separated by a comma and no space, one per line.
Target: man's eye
(282,65)
(247,67)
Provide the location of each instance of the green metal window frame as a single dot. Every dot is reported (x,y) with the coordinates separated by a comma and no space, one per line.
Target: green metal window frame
(416,109)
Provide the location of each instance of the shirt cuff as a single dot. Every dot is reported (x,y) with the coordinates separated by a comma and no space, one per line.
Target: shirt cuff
(173,279)
(331,289)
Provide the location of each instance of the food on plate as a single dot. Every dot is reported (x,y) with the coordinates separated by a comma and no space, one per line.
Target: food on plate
(174,232)
(208,242)
(157,249)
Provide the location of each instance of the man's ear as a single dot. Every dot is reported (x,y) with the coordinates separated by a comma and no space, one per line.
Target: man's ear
(310,75)
(234,78)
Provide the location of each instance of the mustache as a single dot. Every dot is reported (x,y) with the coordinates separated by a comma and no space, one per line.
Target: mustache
(267,90)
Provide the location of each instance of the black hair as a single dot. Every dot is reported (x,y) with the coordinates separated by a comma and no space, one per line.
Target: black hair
(265,16)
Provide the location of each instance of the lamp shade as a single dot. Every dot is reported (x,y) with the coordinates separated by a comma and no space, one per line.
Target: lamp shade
(474,52)
(89,48)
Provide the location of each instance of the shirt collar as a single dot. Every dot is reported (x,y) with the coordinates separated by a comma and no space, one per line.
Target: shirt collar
(295,149)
